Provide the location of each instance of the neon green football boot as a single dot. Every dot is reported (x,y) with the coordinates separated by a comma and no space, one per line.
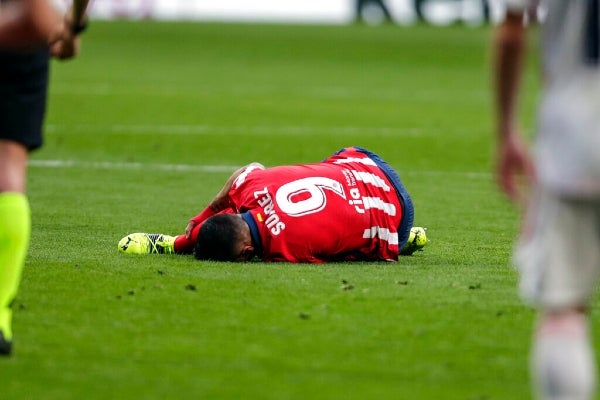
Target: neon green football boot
(147,243)
(416,241)
(5,332)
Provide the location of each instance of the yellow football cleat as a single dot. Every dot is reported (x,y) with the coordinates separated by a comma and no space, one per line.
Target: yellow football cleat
(5,345)
(416,241)
(147,243)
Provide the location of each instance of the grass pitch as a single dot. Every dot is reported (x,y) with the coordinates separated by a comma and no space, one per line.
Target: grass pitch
(145,127)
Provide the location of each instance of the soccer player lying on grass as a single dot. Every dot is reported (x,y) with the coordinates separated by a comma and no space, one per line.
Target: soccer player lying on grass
(351,206)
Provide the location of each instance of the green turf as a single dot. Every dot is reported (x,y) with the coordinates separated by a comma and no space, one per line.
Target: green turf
(144,128)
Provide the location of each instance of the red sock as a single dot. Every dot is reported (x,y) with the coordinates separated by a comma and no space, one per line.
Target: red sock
(184,245)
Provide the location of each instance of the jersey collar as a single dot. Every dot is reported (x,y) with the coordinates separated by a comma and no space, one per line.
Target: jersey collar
(256,241)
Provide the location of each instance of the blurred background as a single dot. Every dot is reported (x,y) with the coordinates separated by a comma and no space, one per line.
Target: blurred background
(373,12)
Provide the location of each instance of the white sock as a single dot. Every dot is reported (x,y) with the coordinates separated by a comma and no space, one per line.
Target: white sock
(563,363)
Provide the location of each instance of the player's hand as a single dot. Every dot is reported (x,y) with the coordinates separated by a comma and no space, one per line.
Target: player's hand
(63,44)
(189,228)
(514,165)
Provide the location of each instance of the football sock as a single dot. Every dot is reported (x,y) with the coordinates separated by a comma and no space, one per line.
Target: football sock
(563,363)
(183,245)
(15,227)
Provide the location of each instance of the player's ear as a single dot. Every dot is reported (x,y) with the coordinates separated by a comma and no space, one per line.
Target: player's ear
(247,252)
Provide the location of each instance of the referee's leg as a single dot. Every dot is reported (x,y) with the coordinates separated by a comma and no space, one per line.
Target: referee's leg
(23,91)
(15,227)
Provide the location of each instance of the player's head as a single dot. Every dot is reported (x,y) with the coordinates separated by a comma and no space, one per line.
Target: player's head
(224,237)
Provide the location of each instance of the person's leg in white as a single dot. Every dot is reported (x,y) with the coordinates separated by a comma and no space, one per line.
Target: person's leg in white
(563,363)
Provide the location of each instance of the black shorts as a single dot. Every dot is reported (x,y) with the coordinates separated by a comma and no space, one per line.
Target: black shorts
(23,89)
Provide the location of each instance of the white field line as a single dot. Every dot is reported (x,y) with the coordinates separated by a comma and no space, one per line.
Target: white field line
(142,129)
(99,165)
(143,87)
(130,166)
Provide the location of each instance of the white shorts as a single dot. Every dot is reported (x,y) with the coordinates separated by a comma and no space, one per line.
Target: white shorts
(558,254)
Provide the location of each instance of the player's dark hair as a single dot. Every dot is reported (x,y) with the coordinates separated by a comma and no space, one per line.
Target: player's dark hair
(218,238)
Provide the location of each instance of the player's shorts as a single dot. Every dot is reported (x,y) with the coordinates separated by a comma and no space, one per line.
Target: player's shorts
(408,211)
(558,254)
(23,88)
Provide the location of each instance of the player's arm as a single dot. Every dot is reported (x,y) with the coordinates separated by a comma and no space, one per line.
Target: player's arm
(27,22)
(77,17)
(509,52)
(221,201)
(65,42)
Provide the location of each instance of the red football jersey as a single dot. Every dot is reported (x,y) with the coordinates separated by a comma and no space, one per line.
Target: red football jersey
(343,208)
